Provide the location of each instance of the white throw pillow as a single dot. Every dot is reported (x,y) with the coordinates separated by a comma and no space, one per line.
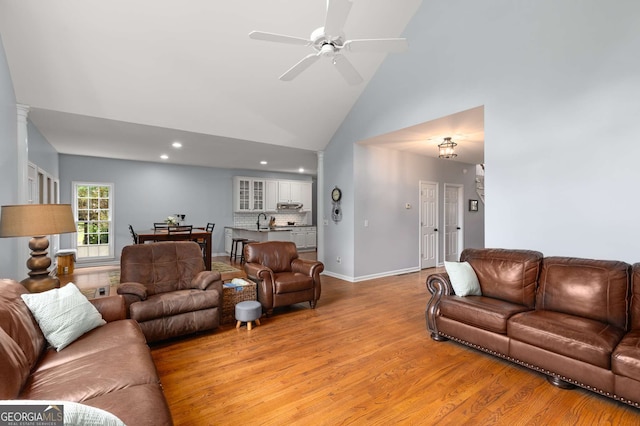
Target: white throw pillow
(463,279)
(63,314)
(75,414)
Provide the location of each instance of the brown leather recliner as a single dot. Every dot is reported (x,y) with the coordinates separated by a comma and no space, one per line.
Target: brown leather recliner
(168,291)
(283,279)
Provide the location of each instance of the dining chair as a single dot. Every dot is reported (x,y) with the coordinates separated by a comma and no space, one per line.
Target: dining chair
(160,225)
(133,234)
(201,242)
(180,232)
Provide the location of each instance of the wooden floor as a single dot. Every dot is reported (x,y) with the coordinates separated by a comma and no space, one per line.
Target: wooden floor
(363,356)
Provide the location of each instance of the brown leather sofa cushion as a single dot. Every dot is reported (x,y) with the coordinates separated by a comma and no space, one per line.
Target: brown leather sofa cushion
(14,368)
(595,289)
(287,282)
(626,357)
(572,336)
(509,275)
(16,320)
(484,312)
(275,255)
(161,267)
(174,303)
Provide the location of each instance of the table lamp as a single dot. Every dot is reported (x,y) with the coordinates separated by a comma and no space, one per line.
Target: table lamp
(37,221)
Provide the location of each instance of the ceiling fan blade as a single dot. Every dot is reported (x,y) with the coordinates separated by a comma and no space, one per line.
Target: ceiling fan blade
(295,70)
(337,12)
(278,38)
(347,70)
(377,45)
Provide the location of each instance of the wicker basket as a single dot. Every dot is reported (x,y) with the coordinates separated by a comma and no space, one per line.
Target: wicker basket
(234,292)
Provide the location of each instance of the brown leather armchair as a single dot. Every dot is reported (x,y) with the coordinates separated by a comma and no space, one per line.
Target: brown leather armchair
(168,291)
(283,279)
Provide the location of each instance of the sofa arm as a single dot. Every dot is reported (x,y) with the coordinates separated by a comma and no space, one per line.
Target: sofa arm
(204,279)
(438,285)
(133,289)
(307,267)
(111,307)
(258,271)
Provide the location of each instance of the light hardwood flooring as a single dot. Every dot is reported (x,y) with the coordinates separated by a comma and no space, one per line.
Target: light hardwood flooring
(363,356)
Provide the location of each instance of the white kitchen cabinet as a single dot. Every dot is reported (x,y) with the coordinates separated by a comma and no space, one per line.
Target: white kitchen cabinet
(299,237)
(311,238)
(248,194)
(304,237)
(270,195)
(306,197)
(290,191)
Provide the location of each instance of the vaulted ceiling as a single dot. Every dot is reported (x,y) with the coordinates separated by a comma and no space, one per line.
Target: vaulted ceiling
(125,79)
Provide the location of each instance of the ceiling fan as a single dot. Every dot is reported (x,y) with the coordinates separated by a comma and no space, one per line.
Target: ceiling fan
(329,41)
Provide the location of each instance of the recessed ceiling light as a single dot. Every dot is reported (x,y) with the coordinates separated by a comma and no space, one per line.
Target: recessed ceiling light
(301,170)
(177,144)
(164,156)
(263,162)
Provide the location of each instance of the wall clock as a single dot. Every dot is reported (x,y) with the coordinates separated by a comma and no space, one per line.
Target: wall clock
(336,211)
(336,194)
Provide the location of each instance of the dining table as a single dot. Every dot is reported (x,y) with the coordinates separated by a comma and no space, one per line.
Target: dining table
(163,235)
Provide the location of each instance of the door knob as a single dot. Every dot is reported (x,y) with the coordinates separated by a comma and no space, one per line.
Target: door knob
(458,228)
(435,229)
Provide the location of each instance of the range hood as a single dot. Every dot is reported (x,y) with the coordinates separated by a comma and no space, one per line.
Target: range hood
(289,206)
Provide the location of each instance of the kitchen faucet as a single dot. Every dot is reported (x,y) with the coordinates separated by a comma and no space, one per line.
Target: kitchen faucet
(258,221)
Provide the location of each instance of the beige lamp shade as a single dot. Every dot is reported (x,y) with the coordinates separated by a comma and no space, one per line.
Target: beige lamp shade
(28,220)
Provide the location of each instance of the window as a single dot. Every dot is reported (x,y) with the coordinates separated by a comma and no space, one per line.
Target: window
(93,210)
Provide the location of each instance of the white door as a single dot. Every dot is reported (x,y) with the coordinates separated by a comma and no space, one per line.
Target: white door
(452,222)
(428,224)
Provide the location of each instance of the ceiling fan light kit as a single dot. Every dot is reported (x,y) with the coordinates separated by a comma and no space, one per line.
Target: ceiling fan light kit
(329,41)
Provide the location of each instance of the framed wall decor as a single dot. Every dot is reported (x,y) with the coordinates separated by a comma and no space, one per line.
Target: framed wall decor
(473,205)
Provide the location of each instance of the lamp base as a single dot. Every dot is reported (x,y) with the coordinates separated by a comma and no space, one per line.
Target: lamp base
(41,283)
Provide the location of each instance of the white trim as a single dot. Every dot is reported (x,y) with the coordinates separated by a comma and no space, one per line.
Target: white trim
(372,276)
(74,196)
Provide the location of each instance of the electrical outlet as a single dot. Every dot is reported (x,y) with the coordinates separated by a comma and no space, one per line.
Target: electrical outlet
(339,259)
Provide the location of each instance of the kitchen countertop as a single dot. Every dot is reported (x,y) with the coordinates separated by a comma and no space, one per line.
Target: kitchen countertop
(267,229)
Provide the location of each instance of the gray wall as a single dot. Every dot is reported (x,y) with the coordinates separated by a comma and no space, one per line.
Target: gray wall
(146,192)
(8,166)
(41,153)
(386,181)
(561,90)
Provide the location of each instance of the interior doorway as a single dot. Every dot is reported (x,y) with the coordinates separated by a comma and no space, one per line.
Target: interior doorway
(453,218)
(428,224)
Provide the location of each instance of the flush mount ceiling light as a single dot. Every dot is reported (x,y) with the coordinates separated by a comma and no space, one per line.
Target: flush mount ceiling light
(164,156)
(176,144)
(264,163)
(447,149)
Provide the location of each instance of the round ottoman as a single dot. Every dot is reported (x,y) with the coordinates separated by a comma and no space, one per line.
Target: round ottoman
(247,311)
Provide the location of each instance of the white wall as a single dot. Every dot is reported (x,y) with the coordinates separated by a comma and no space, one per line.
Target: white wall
(8,165)
(560,83)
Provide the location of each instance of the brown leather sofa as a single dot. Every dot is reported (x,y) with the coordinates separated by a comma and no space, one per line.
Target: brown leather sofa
(110,367)
(168,291)
(575,320)
(283,278)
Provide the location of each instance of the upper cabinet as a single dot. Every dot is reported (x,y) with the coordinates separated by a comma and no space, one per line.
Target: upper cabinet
(289,191)
(271,195)
(248,194)
(258,195)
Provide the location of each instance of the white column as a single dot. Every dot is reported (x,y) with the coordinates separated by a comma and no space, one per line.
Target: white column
(321,210)
(23,154)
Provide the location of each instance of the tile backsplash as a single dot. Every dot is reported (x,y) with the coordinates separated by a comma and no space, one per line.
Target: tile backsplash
(248,220)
